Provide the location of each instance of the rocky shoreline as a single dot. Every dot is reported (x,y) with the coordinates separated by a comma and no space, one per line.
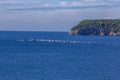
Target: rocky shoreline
(103,27)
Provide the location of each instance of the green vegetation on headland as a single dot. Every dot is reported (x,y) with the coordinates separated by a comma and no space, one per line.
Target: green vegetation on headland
(102,27)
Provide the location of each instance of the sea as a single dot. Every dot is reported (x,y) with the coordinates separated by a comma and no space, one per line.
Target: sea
(29,55)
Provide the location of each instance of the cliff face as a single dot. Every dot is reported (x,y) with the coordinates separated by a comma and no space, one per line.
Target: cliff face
(97,27)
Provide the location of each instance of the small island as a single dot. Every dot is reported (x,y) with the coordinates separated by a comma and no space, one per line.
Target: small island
(101,27)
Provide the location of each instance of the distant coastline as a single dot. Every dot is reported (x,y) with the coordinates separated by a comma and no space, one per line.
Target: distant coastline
(100,27)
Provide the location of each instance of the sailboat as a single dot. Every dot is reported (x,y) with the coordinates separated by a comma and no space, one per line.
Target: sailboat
(31,39)
(20,40)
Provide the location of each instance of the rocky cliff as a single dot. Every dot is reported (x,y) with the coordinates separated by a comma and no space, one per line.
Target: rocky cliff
(102,27)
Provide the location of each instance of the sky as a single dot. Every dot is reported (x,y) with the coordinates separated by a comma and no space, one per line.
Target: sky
(53,15)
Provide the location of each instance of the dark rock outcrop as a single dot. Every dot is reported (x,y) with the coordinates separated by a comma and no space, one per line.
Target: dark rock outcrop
(97,27)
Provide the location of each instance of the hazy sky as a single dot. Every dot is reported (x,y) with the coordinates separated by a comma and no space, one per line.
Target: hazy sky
(53,15)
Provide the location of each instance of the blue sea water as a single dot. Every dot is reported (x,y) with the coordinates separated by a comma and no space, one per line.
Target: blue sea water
(58,56)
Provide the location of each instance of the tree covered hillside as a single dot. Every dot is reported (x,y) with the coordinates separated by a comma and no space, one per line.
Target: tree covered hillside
(97,27)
